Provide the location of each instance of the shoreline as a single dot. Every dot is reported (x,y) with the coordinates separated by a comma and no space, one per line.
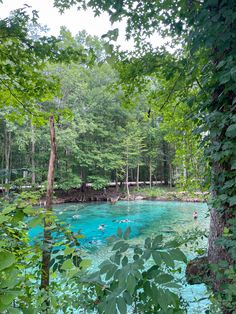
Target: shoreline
(111,195)
(132,198)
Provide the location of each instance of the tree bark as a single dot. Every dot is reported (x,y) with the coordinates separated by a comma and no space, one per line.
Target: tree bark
(47,242)
(165,163)
(7,150)
(33,177)
(117,183)
(127,180)
(218,221)
(137,176)
(150,174)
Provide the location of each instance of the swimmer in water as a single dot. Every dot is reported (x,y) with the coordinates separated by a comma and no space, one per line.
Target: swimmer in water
(124,220)
(195,215)
(101,227)
(76,216)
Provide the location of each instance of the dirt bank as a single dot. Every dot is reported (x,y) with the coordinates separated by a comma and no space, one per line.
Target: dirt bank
(83,195)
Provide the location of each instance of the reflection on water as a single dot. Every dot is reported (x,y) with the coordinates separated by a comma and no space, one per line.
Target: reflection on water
(145,218)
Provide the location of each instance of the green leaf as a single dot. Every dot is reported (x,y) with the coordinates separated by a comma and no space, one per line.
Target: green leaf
(127,297)
(110,306)
(8,209)
(68,251)
(3,218)
(7,297)
(233,73)
(121,305)
(147,243)
(106,268)
(131,283)
(124,261)
(164,278)
(231,131)
(30,310)
(35,222)
(13,311)
(124,247)
(28,210)
(167,259)
(157,258)
(110,273)
(118,245)
(232,200)
(157,242)
(146,254)
(162,300)
(85,263)
(6,259)
(224,78)
(178,255)
(148,289)
(11,278)
(233,164)
(116,258)
(68,264)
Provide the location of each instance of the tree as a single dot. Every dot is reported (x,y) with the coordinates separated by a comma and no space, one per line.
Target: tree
(206,30)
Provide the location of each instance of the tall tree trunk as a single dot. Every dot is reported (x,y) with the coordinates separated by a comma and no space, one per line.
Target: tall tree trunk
(137,176)
(165,163)
(47,241)
(150,174)
(7,153)
(127,181)
(117,183)
(127,172)
(33,177)
(184,171)
(170,175)
(218,221)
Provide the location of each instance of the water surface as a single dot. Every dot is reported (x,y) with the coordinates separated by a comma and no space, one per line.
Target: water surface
(145,218)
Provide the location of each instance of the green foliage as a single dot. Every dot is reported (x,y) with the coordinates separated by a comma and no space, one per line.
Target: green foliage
(98,182)
(138,278)
(20,259)
(16,253)
(203,74)
(72,181)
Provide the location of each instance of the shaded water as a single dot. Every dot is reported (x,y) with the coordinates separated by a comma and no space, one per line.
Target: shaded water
(145,218)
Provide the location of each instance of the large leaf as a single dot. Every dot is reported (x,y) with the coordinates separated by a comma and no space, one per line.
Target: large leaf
(178,255)
(85,263)
(231,131)
(131,283)
(7,297)
(68,264)
(6,259)
(121,305)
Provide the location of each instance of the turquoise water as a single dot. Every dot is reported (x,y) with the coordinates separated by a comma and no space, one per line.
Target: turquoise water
(145,218)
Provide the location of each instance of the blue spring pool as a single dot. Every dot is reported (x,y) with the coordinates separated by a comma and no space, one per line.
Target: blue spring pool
(145,218)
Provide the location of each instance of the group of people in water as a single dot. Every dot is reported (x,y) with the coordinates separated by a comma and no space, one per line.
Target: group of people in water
(102,226)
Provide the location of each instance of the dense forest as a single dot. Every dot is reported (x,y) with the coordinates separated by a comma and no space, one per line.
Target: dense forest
(76,111)
(99,138)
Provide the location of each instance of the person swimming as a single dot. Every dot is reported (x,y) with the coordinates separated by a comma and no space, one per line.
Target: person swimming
(76,216)
(101,227)
(195,215)
(124,220)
